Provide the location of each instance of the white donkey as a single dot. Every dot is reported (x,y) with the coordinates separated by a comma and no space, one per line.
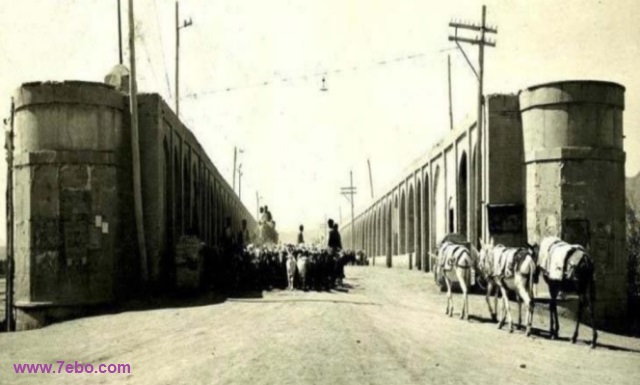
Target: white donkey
(510,269)
(291,270)
(455,262)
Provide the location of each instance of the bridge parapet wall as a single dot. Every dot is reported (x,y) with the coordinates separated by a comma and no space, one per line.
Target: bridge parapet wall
(574,159)
(71,193)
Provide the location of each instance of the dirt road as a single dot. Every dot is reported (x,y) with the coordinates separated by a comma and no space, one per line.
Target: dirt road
(389,328)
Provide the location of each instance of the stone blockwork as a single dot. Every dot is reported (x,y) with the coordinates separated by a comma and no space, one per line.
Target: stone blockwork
(552,164)
(75,245)
(575,177)
(70,172)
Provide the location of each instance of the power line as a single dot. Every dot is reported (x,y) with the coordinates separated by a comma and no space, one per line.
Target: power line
(280,79)
(481,152)
(164,60)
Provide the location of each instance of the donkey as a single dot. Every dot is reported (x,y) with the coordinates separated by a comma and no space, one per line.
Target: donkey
(303,271)
(455,262)
(569,268)
(510,269)
(291,270)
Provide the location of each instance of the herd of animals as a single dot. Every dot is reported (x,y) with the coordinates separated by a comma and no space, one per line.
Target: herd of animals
(565,267)
(301,267)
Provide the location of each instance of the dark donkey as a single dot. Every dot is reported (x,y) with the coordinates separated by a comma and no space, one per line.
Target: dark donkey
(568,268)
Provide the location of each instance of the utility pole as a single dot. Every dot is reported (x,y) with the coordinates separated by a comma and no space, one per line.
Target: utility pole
(370,178)
(235,159)
(9,208)
(240,181)
(450,97)
(135,149)
(119,32)
(481,42)
(185,24)
(349,192)
(257,206)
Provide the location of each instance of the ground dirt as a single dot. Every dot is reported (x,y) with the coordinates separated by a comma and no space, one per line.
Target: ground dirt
(386,327)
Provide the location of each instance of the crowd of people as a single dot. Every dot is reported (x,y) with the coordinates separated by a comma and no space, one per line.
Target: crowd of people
(243,266)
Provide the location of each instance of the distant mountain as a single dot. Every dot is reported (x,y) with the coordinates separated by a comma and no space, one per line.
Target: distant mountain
(633,192)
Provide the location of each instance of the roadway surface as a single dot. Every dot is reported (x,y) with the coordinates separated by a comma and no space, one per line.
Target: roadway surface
(387,328)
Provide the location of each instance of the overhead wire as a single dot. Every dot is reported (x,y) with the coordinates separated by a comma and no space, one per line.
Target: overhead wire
(287,79)
(164,59)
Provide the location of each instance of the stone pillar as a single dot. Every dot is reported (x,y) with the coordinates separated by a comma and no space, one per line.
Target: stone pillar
(575,178)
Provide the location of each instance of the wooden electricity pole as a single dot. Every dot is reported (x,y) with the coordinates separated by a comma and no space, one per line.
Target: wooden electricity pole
(349,192)
(370,178)
(481,165)
(240,181)
(235,159)
(450,92)
(9,207)
(135,149)
(119,32)
(185,24)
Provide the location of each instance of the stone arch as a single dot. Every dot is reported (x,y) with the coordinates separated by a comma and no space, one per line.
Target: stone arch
(381,244)
(169,224)
(410,227)
(451,216)
(375,232)
(394,225)
(402,219)
(195,206)
(439,204)
(187,196)
(475,188)
(418,225)
(463,188)
(426,229)
(177,193)
(389,233)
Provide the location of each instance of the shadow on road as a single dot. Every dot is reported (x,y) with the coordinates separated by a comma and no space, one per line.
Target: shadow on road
(310,300)
(174,302)
(482,320)
(546,335)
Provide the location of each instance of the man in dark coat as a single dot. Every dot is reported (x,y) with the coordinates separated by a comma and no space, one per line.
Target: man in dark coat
(338,237)
(301,235)
(333,236)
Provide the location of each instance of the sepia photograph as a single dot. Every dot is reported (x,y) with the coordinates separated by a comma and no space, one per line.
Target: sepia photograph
(392,192)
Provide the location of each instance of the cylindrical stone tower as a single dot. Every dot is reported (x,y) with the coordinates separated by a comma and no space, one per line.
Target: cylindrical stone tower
(575,181)
(69,160)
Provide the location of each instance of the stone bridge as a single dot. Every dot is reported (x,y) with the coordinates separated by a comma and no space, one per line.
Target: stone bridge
(552,165)
(75,242)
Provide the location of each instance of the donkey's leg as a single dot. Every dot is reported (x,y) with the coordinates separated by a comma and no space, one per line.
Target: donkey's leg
(581,302)
(527,297)
(553,326)
(464,280)
(495,299)
(449,311)
(505,299)
(592,313)
(519,302)
(503,313)
(493,314)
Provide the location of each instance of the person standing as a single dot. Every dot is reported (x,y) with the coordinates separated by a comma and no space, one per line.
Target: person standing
(333,239)
(338,237)
(243,236)
(263,215)
(301,235)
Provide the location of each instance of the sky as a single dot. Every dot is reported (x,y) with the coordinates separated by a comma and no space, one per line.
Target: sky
(300,143)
